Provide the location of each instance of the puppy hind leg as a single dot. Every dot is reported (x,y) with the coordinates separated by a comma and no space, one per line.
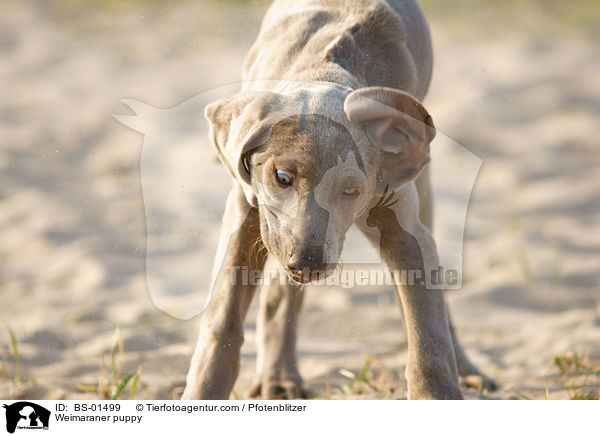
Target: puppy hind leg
(277,373)
(470,376)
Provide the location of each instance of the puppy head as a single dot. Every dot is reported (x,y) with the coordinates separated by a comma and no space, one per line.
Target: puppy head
(312,160)
(312,182)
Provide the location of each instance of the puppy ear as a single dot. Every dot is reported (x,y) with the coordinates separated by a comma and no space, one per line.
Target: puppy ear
(398,125)
(237,126)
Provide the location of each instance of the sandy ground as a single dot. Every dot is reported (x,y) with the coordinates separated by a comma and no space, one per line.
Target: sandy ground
(73,234)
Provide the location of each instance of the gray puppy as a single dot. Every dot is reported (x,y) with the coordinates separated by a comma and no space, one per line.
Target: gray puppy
(327,128)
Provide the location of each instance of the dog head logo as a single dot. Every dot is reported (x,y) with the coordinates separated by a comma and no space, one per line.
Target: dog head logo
(356,143)
(26,415)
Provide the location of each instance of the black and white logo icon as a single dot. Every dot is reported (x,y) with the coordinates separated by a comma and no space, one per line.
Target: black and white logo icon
(26,415)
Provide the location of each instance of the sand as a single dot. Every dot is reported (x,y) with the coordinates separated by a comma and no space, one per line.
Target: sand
(73,229)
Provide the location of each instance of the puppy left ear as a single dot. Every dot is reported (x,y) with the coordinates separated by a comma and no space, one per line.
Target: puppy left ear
(398,125)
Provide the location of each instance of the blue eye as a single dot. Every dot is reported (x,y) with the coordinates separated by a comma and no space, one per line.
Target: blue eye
(351,192)
(284,178)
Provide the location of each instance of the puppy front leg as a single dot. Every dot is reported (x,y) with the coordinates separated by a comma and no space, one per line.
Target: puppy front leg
(215,364)
(431,367)
(469,374)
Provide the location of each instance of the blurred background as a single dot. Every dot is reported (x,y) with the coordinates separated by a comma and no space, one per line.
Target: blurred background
(516,82)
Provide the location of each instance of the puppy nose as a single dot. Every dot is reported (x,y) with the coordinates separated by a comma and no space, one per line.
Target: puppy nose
(309,258)
(293,262)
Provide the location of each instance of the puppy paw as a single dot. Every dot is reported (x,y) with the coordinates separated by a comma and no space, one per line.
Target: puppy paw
(279,390)
(480,382)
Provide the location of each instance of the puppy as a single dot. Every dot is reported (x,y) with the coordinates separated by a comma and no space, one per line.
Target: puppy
(327,132)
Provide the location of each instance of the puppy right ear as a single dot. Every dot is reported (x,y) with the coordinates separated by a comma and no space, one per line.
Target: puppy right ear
(238,125)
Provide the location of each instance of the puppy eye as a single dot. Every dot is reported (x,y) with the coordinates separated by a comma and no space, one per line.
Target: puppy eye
(284,178)
(351,192)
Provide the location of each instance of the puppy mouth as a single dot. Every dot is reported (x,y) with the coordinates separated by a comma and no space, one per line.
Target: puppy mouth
(306,276)
(299,277)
